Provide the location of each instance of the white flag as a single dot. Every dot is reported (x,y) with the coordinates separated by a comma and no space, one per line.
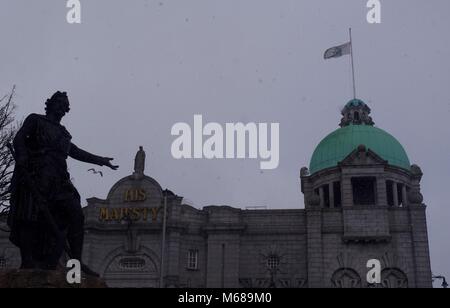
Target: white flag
(338,51)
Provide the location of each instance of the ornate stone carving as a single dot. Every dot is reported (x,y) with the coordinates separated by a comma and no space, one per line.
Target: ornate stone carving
(249,283)
(304,172)
(415,197)
(393,278)
(356,112)
(345,278)
(416,170)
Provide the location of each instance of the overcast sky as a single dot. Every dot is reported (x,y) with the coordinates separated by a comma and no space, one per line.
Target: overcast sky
(133,69)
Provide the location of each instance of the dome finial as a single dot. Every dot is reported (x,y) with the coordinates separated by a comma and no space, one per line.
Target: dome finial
(356,112)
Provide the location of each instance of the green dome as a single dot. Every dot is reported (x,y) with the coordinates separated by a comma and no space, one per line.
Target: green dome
(340,143)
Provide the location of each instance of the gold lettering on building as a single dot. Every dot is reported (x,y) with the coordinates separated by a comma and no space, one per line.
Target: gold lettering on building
(104,214)
(115,214)
(155,211)
(133,213)
(134,195)
(145,214)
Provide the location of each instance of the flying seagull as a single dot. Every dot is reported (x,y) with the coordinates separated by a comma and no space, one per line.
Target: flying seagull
(96,172)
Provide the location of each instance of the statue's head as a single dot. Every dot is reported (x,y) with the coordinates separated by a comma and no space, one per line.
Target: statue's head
(58,104)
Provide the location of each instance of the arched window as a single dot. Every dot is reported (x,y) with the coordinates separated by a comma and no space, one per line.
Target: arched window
(132,263)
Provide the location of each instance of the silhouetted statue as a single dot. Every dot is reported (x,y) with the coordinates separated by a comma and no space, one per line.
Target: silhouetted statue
(139,162)
(46,213)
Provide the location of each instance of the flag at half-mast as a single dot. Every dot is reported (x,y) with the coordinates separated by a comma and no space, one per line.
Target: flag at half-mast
(338,51)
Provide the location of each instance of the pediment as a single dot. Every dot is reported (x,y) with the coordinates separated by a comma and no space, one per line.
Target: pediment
(363,156)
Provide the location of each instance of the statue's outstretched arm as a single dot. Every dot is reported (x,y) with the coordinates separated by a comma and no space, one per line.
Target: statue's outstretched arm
(84,156)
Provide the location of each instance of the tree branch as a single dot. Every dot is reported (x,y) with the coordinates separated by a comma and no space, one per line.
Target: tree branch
(8,129)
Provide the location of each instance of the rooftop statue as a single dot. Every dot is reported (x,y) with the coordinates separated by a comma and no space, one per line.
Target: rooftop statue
(139,162)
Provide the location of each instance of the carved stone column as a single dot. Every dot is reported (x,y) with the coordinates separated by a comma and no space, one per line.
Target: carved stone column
(395,193)
(331,190)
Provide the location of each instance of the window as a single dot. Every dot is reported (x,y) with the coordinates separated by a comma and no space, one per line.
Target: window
(395,189)
(364,192)
(389,193)
(326,196)
(331,195)
(337,194)
(132,263)
(400,194)
(2,263)
(273,262)
(192,262)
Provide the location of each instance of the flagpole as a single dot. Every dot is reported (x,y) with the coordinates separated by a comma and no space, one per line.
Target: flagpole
(353,66)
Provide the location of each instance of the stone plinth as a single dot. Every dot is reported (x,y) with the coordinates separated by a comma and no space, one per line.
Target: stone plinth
(45,279)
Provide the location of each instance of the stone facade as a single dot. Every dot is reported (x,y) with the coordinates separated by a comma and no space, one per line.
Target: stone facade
(361,209)
(220,246)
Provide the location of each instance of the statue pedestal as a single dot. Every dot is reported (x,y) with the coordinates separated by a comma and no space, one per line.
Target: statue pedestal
(44,279)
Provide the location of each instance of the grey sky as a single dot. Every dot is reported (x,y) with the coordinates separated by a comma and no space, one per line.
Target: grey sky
(134,68)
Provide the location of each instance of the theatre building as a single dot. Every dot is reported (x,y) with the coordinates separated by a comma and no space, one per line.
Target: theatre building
(362,202)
